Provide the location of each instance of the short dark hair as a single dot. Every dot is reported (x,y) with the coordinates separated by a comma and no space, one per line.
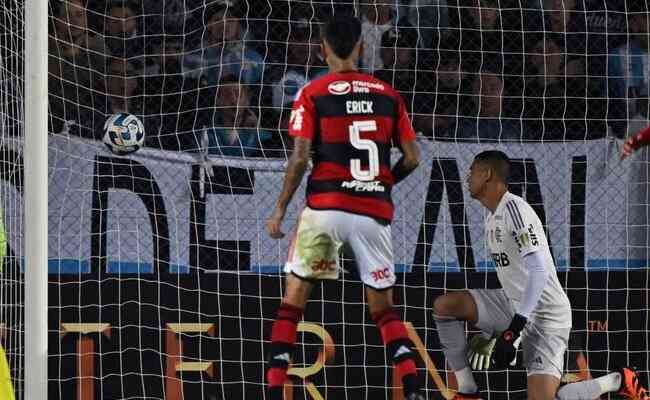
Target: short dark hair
(498,161)
(342,32)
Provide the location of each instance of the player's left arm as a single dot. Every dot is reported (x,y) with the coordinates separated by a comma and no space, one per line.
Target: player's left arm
(526,231)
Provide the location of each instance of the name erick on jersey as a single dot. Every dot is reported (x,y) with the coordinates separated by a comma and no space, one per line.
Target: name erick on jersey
(513,231)
(352,120)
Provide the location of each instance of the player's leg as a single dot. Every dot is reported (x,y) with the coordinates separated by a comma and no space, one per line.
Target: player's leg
(488,310)
(450,311)
(543,387)
(543,357)
(371,243)
(313,256)
(624,382)
(395,338)
(544,360)
(283,333)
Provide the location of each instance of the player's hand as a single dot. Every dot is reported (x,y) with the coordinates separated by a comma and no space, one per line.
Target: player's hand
(629,146)
(480,351)
(274,223)
(505,349)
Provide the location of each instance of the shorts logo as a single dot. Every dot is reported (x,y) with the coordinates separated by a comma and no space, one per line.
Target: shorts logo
(339,88)
(380,274)
(537,360)
(323,266)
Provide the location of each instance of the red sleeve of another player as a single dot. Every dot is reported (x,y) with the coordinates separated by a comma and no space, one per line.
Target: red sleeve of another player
(641,138)
(302,122)
(405,132)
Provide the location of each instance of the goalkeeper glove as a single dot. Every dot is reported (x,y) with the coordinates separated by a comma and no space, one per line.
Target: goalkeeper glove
(480,352)
(505,349)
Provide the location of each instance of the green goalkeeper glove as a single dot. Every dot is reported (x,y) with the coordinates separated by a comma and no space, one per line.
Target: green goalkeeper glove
(480,350)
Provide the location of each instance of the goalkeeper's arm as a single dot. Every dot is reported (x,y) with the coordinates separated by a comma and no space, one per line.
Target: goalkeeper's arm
(635,141)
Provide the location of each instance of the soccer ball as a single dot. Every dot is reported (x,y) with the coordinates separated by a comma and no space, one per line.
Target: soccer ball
(123,133)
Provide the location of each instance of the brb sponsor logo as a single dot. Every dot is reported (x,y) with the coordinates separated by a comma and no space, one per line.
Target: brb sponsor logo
(500,259)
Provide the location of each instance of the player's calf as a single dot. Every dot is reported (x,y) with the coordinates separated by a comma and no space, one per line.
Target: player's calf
(399,346)
(283,339)
(450,311)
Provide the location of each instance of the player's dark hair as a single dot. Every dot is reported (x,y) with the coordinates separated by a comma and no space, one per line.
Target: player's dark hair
(497,160)
(342,32)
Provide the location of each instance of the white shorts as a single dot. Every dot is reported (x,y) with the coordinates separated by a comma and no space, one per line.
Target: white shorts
(543,348)
(314,252)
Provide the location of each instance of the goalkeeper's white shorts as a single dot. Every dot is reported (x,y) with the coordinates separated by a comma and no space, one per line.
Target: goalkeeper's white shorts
(314,251)
(543,347)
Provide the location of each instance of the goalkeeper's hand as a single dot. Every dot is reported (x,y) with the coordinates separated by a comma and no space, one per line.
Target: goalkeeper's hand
(480,350)
(507,344)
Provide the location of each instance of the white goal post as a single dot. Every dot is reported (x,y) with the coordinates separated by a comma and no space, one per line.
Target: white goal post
(35,195)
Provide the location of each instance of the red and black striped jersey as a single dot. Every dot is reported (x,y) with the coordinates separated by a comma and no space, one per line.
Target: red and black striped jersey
(353,120)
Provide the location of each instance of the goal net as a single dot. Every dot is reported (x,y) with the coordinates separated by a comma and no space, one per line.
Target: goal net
(11,185)
(162,280)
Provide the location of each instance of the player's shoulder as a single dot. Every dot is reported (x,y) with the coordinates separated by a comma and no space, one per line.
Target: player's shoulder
(338,84)
(517,210)
(377,85)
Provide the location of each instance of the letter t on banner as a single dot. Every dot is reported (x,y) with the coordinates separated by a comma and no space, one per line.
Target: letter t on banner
(86,354)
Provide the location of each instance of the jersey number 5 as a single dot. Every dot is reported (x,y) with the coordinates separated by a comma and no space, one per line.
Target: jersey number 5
(364,144)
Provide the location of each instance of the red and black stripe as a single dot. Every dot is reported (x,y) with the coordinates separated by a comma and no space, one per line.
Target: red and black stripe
(333,152)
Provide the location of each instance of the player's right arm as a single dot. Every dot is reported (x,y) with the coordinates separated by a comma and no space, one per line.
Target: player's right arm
(302,125)
(635,141)
(405,140)
(524,225)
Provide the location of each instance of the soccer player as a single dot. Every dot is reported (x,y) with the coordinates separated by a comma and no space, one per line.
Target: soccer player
(349,121)
(635,142)
(531,309)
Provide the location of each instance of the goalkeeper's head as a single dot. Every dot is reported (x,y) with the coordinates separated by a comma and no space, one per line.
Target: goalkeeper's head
(341,42)
(488,175)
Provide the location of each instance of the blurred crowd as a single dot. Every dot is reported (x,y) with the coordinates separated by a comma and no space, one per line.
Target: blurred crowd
(222,74)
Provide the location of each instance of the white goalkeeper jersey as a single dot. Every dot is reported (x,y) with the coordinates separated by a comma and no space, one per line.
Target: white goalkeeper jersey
(513,231)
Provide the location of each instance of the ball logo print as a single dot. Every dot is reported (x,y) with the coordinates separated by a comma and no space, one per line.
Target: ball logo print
(123,133)
(339,88)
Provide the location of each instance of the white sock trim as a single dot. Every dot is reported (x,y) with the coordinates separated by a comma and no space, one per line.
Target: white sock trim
(610,382)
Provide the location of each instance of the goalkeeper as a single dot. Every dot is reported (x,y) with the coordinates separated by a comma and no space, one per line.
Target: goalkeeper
(530,310)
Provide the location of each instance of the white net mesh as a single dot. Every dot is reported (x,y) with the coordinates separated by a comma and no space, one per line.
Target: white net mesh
(163,281)
(11,221)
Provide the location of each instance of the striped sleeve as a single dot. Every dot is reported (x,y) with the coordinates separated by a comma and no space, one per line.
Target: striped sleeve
(527,229)
(515,215)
